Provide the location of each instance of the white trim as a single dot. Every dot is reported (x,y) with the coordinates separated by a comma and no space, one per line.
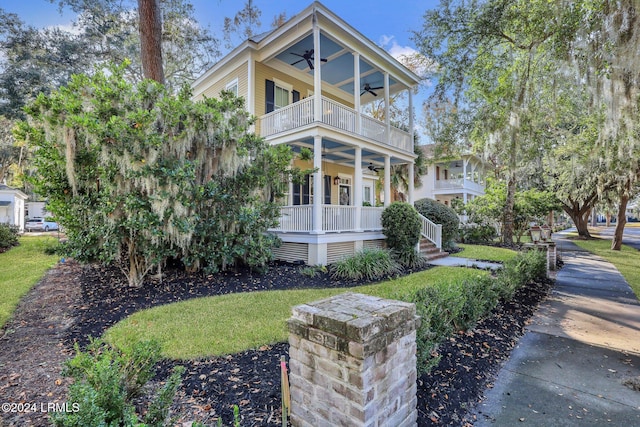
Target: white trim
(231,84)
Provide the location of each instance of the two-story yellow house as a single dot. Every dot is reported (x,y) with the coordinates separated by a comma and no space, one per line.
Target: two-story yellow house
(307,82)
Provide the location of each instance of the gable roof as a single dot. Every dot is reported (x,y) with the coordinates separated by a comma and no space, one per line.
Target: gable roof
(338,38)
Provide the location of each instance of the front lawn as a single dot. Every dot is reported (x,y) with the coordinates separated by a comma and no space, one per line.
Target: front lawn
(22,267)
(627,260)
(231,323)
(485,253)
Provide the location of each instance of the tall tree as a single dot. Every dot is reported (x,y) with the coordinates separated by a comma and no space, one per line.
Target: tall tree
(151,40)
(490,53)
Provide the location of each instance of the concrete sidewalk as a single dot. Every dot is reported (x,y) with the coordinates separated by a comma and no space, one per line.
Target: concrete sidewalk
(579,361)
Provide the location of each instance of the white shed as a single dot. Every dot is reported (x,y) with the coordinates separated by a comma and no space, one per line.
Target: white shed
(12,204)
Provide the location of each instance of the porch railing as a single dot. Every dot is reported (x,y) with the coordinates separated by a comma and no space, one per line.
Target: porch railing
(371,218)
(334,114)
(335,218)
(431,231)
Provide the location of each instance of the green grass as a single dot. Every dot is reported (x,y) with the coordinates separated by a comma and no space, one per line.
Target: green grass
(485,253)
(22,267)
(232,323)
(627,260)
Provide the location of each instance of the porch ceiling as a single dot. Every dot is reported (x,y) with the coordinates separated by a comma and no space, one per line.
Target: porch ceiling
(338,152)
(338,70)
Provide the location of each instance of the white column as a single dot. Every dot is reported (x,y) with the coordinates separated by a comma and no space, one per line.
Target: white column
(410,182)
(251,85)
(387,180)
(357,187)
(411,125)
(387,119)
(317,78)
(317,185)
(356,91)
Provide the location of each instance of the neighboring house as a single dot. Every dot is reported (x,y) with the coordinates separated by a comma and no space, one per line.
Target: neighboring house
(306,81)
(37,210)
(12,204)
(460,178)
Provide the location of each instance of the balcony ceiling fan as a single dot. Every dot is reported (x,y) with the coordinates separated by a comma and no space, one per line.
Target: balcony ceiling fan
(368,88)
(307,56)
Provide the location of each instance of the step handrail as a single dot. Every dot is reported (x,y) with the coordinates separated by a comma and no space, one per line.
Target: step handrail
(431,231)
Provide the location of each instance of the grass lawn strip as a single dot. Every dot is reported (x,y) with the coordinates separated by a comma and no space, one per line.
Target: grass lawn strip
(22,267)
(232,323)
(627,260)
(485,253)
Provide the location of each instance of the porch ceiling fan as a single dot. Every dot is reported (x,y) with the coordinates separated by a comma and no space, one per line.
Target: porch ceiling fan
(306,56)
(374,168)
(367,88)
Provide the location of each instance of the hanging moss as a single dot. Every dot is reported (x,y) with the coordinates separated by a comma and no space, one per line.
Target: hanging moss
(177,178)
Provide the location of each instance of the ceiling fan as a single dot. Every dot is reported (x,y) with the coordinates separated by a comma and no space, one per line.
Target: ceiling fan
(374,168)
(368,88)
(307,56)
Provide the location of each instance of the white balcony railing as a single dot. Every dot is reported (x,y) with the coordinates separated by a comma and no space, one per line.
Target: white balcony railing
(334,114)
(458,184)
(335,218)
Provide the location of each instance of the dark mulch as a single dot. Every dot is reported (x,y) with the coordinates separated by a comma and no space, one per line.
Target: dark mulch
(251,379)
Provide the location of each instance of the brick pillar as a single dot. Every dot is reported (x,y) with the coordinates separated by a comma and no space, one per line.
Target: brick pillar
(552,256)
(353,362)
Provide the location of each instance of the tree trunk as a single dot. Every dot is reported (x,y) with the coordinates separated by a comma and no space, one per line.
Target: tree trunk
(580,217)
(616,243)
(151,40)
(507,226)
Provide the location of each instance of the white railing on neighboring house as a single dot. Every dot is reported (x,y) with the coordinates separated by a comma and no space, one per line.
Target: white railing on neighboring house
(458,184)
(334,114)
(431,231)
(335,218)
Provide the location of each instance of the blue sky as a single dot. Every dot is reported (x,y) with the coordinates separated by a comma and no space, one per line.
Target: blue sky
(386,22)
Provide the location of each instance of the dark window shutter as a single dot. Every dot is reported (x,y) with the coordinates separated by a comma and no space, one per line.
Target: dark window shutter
(327,189)
(296,96)
(270,96)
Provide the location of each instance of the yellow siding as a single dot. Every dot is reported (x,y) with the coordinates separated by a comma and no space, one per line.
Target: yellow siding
(333,170)
(239,73)
(264,73)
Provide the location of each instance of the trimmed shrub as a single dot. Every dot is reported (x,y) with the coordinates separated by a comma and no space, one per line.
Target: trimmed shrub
(476,233)
(441,214)
(526,267)
(107,380)
(8,236)
(369,264)
(401,226)
(446,308)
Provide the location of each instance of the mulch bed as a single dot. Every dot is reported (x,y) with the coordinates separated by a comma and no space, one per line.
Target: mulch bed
(74,302)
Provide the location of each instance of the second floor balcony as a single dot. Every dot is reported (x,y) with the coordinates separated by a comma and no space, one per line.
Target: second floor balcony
(301,114)
(458,184)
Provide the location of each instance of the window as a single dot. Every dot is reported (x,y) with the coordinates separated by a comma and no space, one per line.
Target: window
(366,194)
(232,87)
(302,193)
(279,94)
(281,97)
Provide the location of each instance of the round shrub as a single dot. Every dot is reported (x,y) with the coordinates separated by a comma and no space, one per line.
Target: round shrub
(401,225)
(440,214)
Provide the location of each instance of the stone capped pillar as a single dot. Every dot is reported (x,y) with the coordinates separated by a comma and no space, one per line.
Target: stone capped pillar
(353,362)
